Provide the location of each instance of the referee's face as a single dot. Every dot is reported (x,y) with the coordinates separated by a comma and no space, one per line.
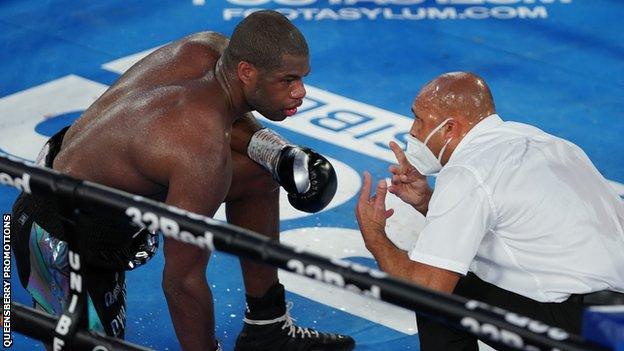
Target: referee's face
(427,118)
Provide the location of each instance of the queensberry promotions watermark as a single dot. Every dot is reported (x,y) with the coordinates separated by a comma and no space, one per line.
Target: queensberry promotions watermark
(7,339)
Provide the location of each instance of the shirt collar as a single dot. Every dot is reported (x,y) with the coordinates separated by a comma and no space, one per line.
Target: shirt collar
(484,125)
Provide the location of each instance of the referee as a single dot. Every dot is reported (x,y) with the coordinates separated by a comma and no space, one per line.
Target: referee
(519,218)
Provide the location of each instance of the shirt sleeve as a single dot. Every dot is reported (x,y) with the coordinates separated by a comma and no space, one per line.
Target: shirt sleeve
(460,213)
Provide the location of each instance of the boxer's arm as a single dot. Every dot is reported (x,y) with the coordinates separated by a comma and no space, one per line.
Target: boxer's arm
(198,182)
(307,176)
(242,131)
(188,295)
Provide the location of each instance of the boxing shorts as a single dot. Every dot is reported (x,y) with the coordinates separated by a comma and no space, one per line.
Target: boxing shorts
(41,253)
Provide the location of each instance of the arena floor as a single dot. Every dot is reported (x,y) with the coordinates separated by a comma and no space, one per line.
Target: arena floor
(556,64)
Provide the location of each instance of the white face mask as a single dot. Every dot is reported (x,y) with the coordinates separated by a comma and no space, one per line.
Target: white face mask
(421,157)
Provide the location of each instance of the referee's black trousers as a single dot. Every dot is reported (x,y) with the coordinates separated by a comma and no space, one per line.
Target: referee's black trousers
(436,336)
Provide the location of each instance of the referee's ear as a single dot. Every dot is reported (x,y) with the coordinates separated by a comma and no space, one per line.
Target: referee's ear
(454,128)
(453,132)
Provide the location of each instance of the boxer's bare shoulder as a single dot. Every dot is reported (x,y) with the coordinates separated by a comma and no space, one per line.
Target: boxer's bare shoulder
(191,58)
(170,96)
(188,58)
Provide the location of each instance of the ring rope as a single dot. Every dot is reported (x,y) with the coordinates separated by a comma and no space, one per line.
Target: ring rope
(477,318)
(39,325)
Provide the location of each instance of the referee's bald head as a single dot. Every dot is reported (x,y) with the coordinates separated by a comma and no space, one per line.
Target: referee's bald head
(459,95)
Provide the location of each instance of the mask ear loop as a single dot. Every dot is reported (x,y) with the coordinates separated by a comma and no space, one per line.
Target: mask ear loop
(433,132)
(436,129)
(442,151)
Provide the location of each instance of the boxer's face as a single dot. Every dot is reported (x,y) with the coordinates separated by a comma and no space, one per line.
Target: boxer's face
(277,93)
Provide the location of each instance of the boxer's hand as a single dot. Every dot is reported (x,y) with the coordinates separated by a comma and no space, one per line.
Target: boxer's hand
(407,183)
(308,177)
(371,212)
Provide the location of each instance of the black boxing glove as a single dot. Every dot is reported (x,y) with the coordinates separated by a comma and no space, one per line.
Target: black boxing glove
(308,177)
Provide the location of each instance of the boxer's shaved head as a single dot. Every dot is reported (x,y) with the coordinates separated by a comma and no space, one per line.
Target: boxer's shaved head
(262,39)
(458,94)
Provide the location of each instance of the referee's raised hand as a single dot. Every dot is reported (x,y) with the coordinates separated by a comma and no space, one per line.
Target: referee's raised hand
(371,213)
(407,183)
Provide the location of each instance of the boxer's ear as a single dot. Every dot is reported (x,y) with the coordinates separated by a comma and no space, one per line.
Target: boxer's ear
(247,72)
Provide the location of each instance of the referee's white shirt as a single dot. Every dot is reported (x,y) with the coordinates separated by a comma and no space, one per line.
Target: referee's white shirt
(527,212)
